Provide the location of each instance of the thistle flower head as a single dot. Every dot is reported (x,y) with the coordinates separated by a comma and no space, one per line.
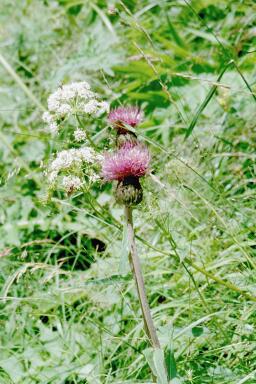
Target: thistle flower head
(128,161)
(125,115)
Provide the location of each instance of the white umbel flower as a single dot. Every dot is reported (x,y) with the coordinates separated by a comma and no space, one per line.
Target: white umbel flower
(53,128)
(91,107)
(79,135)
(96,107)
(71,99)
(52,176)
(64,109)
(94,177)
(71,183)
(72,157)
(53,102)
(65,159)
(87,154)
(66,93)
(103,107)
(70,163)
(47,117)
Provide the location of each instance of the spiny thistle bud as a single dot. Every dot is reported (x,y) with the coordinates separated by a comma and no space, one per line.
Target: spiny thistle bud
(129,191)
(123,138)
(127,165)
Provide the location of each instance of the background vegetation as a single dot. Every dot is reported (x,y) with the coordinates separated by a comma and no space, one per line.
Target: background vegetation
(68,311)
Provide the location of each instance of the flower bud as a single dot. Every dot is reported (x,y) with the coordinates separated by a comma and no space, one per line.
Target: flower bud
(129,191)
(123,138)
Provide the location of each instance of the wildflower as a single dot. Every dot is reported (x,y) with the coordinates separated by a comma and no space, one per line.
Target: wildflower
(103,107)
(53,128)
(96,107)
(94,177)
(79,135)
(72,164)
(47,117)
(127,165)
(63,110)
(121,116)
(69,158)
(71,98)
(52,176)
(130,160)
(50,120)
(91,106)
(87,154)
(71,183)
(64,160)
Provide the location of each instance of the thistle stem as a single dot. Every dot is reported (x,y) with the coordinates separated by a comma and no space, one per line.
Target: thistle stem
(139,280)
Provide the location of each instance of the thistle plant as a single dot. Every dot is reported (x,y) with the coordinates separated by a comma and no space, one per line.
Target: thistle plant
(126,165)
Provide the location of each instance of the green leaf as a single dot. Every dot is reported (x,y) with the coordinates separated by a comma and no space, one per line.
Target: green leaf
(205,102)
(156,361)
(75,10)
(159,363)
(171,364)
(197,331)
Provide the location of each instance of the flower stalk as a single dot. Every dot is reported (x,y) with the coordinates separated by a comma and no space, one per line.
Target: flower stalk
(139,280)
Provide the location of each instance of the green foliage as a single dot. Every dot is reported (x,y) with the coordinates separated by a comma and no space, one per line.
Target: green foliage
(69,311)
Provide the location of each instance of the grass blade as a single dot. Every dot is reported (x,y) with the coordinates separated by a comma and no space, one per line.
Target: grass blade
(20,82)
(171,364)
(205,102)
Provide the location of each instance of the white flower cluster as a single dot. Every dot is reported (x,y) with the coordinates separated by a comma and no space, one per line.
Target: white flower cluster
(73,161)
(70,157)
(79,135)
(49,119)
(72,98)
(71,183)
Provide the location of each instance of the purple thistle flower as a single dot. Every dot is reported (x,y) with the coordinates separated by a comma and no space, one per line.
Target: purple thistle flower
(125,115)
(129,161)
